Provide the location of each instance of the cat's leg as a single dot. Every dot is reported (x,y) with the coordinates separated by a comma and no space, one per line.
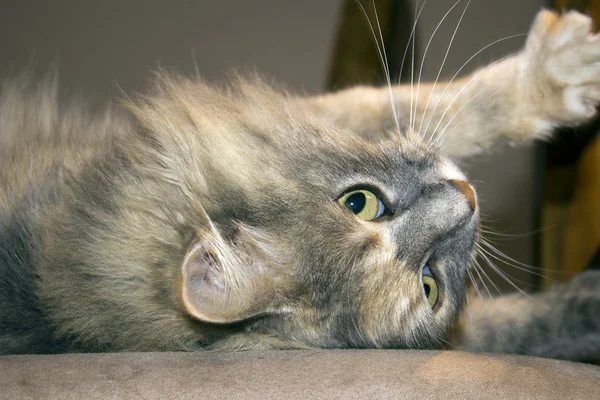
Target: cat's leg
(553,81)
(561,322)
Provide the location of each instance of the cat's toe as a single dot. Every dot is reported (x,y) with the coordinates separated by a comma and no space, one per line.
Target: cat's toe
(572,28)
(552,32)
(582,101)
(569,49)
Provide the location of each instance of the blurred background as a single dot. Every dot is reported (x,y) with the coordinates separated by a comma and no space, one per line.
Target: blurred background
(103,47)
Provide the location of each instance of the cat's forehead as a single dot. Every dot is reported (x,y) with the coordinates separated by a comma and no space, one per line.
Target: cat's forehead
(397,165)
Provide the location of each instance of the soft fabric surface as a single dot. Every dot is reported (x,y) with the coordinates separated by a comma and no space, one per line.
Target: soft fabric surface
(356,374)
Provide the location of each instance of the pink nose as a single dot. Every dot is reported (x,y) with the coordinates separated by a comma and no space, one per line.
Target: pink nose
(467,190)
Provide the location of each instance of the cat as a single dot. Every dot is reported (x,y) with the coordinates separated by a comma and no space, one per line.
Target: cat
(199,217)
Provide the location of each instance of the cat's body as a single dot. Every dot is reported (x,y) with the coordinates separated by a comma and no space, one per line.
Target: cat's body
(243,218)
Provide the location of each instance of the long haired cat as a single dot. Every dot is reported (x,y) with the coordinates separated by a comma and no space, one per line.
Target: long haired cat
(200,217)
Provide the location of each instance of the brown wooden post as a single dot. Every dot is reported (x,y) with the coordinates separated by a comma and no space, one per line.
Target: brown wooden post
(570,215)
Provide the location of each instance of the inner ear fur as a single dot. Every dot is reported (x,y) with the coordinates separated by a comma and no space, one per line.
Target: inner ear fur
(216,285)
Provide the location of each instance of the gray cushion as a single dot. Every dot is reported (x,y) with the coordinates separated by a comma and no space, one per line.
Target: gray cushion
(327,374)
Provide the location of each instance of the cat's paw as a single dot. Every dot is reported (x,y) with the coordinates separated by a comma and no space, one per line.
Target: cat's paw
(561,67)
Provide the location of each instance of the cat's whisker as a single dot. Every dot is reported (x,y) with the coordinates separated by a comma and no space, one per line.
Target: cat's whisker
(449,84)
(387,69)
(481,273)
(467,309)
(475,280)
(505,258)
(509,236)
(440,337)
(414,117)
(511,262)
(383,58)
(411,39)
(505,277)
(475,286)
(515,310)
(442,64)
(479,270)
(491,298)
(480,296)
(412,74)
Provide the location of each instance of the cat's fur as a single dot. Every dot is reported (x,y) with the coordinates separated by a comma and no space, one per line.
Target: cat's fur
(207,218)
(560,322)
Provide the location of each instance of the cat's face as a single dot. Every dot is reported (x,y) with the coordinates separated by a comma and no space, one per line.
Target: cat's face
(319,238)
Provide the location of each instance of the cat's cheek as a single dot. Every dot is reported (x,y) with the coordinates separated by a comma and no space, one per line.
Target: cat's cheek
(393,305)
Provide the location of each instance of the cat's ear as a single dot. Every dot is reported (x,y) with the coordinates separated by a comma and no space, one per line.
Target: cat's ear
(217,286)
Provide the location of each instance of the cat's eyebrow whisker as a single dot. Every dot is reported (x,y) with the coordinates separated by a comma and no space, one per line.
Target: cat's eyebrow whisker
(414,118)
(435,139)
(472,111)
(382,57)
(411,38)
(388,75)
(464,65)
(437,78)
(462,89)
(482,103)
(412,72)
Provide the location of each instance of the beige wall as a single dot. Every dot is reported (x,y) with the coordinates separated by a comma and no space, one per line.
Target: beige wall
(101,46)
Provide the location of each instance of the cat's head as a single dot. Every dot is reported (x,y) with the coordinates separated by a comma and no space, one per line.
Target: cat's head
(300,233)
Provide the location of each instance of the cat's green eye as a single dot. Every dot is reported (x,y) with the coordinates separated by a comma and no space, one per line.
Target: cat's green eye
(364,204)
(430,286)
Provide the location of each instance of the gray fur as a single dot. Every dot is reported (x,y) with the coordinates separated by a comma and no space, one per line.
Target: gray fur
(105,258)
(561,322)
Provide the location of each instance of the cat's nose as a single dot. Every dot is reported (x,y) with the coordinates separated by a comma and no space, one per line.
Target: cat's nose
(467,190)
